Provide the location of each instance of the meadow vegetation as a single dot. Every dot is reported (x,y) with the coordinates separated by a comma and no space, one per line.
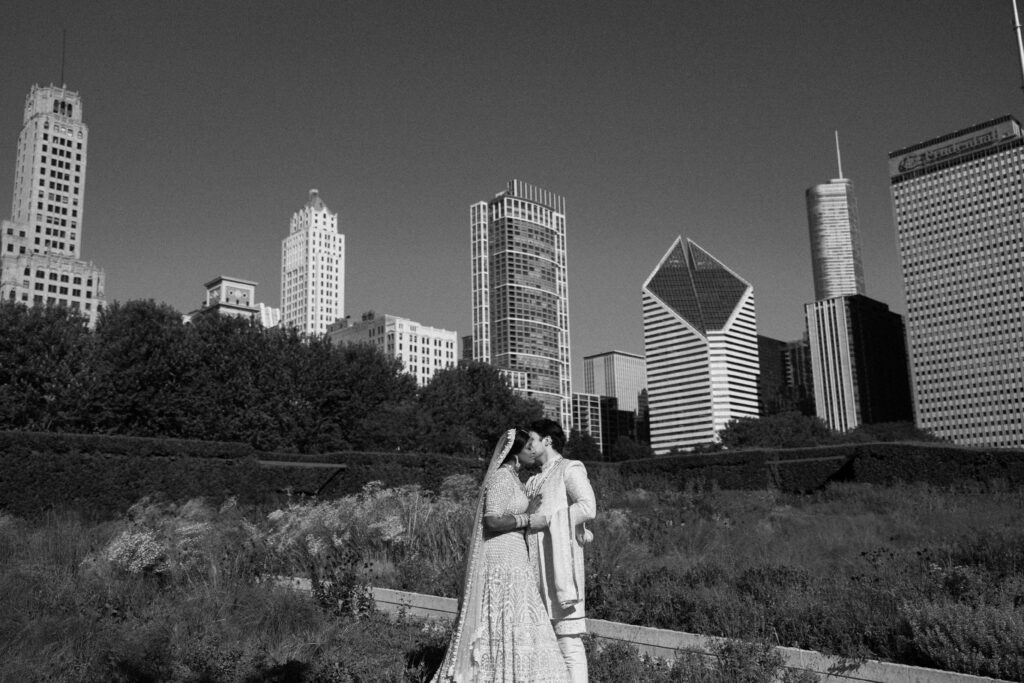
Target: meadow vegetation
(187,592)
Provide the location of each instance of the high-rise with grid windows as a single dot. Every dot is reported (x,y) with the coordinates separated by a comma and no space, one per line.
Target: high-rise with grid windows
(313,269)
(958,202)
(616,373)
(520,293)
(40,246)
(835,239)
(700,340)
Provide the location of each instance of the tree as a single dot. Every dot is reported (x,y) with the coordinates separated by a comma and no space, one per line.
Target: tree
(785,430)
(43,353)
(139,372)
(582,446)
(463,409)
(626,448)
(355,391)
(889,432)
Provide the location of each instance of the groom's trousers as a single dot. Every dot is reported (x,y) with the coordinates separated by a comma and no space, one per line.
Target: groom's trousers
(575,656)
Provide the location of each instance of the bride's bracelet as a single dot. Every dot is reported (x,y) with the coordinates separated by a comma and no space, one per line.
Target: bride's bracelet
(522,521)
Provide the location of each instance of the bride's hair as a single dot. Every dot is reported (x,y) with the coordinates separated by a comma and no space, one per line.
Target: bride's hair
(518,443)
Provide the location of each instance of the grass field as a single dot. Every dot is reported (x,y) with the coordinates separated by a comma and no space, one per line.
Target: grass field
(180,592)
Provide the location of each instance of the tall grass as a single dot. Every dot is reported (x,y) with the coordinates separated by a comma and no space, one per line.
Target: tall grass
(915,574)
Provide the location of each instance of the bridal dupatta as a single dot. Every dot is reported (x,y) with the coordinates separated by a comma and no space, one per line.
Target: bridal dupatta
(457,666)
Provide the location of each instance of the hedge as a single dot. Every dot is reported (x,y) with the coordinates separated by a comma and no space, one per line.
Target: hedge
(939,464)
(393,468)
(112,444)
(801,470)
(104,474)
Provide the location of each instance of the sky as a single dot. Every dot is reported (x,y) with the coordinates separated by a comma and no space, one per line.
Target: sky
(209,122)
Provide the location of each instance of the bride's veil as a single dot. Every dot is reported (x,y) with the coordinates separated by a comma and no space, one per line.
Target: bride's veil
(458,660)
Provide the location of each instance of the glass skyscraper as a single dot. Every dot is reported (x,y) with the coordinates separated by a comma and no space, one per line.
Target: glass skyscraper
(835,239)
(958,202)
(700,339)
(520,293)
(616,373)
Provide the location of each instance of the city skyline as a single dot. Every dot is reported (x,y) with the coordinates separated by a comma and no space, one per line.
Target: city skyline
(688,119)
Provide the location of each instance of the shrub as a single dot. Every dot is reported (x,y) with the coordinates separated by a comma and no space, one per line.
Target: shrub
(977,639)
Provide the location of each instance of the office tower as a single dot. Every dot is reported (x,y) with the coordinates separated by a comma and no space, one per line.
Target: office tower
(859,362)
(771,382)
(835,237)
(41,244)
(313,269)
(587,417)
(700,338)
(616,373)
(958,203)
(423,350)
(799,376)
(520,293)
(785,382)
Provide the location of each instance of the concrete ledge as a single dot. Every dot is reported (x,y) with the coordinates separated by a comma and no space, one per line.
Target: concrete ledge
(666,644)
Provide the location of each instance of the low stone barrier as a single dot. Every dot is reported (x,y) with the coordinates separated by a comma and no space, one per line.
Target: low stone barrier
(666,644)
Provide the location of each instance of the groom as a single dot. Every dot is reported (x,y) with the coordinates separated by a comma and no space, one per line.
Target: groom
(561,492)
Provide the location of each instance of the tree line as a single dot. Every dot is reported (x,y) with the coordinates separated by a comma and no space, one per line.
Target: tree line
(143,372)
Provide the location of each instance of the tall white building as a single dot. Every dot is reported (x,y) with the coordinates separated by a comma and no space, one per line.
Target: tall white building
(520,292)
(423,350)
(40,246)
(616,373)
(958,203)
(313,269)
(835,239)
(700,339)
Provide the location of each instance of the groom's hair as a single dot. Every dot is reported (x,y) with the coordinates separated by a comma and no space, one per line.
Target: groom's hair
(546,427)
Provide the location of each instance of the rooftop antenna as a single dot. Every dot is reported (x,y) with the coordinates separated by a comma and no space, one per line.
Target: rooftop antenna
(64,43)
(839,159)
(1020,41)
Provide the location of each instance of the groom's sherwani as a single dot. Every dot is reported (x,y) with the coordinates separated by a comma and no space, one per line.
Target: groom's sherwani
(567,499)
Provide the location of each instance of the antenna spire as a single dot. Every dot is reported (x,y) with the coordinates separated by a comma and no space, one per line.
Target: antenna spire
(1020,41)
(839,159)
(63,45)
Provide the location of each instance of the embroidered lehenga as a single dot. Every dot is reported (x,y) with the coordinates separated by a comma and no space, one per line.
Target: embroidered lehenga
(502,632)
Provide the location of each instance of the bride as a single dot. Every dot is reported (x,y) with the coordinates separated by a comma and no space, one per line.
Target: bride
(502,632)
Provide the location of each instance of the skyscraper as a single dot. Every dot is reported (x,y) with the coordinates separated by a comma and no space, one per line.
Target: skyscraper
(616,373)
(520,292)
(313,269)
(859,362)
(958,203)
(700,337)
(41,244)
(835,237)
(857,348)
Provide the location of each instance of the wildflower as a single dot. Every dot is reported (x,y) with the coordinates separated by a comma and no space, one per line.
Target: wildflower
(136,552)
